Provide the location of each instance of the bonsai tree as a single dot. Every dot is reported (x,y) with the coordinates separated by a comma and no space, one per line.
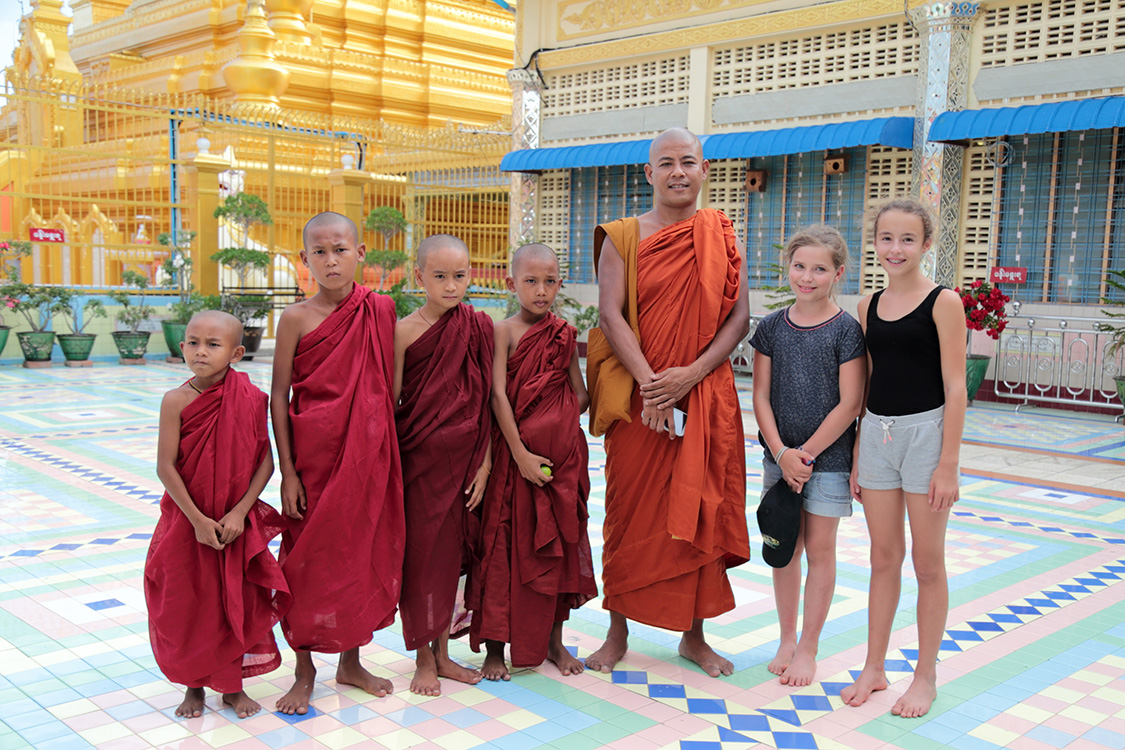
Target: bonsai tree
(36,304)
(131,315)
(242,260)
(69,304)
(177,266)
(11,252)
(244,211)
(1116,330)
(247,307)
(388,222)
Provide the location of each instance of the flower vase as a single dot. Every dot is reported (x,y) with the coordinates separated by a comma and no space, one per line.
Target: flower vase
(173,337)
(76,348)
(37,347)
(976,365)
(131,345)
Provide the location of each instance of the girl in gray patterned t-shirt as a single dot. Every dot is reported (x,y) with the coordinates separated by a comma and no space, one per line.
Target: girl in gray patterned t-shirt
(809,373)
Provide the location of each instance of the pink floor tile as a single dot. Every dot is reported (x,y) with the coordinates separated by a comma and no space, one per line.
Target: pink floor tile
(495,708)
(319,725)
(116,698)
(145,722)
(1047,704)
(433,728)
(125,743)
(1013,723)
(630,700)
(688,724)
(1068,725)
(377,726)
(658,711)
(634,743)
(89,721)
(442,706)
(250,743)
(1026,743)
(490,730)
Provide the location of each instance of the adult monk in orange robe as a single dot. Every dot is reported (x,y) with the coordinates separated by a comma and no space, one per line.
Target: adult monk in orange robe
(338,454)
(675,506)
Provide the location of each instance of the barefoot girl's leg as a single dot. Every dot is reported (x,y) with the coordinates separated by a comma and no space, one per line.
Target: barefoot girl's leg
(884,512)
(820,546)
(927,542)
(787,597)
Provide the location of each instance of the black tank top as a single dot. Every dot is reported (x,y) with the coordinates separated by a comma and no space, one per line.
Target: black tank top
(905,360)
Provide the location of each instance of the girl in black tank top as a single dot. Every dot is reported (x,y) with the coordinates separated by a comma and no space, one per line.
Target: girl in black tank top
(906,357)
(907,446)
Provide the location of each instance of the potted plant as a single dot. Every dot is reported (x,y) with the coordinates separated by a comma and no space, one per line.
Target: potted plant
(37,305)
(1115,330)
(132,342)
(177,269)
(77,344)
(984,311)
(388,222)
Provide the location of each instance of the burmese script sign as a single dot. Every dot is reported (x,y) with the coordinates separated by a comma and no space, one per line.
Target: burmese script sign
(47,235)
(1008,275)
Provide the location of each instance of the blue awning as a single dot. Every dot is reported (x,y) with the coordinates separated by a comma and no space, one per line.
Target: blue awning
(882,131)
(1052,117)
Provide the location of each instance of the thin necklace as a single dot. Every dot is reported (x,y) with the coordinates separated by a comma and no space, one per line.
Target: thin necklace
(194,387)
(423,317)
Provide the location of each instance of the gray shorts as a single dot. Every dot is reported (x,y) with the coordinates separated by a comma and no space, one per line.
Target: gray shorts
(827,493)
(900,452)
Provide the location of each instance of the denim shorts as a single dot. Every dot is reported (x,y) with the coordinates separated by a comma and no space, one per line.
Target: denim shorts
(900,452)
(827,493)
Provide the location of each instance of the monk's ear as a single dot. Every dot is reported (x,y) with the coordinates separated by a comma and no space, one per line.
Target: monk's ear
(361,252)
(648,173)
(418,274)
(705,166)
(510,283)
(237,354)
(305,257)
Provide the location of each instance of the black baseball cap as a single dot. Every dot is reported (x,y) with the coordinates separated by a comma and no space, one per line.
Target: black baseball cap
(779,520)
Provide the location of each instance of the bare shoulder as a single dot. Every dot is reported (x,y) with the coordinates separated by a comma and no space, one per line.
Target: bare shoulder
(176,400)
(408,330)
(300,318)
(948,306)
(861,310)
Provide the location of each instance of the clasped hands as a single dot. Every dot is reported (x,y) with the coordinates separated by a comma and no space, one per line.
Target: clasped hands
(666,389)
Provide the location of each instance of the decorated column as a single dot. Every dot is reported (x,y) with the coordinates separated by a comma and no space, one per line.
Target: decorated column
(346,190)
(202,177)
(526,90)
(943,82)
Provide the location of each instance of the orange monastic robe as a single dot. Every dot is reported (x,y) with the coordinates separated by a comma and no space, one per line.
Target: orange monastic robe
(676,509)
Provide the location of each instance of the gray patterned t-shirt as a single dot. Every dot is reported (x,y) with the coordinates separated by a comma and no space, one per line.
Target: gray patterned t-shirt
(805,378)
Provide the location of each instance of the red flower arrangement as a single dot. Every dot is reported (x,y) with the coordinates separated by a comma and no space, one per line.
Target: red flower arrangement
(984,308)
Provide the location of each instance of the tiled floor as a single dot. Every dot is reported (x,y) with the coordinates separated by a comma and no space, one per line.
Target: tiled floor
(1034,655)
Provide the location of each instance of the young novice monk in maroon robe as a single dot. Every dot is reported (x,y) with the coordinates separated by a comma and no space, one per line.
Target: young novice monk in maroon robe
(212,587)
(535,561)
(340,475)
(443,379)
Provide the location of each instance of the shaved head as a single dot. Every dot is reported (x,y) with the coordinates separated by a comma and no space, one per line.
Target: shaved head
(229,324)
(674,136)
(536,251)
(329,219)
(435,242)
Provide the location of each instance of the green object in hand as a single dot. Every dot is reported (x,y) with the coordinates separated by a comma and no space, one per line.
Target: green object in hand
(545,469)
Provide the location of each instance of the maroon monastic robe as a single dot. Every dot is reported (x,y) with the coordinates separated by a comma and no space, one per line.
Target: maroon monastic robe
(444,423)
(211,612)
(343,561)
(535,563)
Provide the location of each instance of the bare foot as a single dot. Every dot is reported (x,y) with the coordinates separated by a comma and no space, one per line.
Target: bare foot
(425,680)
(192,706)
(494,668)
(870,681)
(296,701)
(612,651)
(353,673)
(451,670)
(242,703)
(694,648)
(784,655)
(917,699)
(561,658)
(801,670)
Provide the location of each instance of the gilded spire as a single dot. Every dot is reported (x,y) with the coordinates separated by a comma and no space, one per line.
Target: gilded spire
(256,79)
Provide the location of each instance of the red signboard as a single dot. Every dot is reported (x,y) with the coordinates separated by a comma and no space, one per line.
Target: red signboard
(1008,275)
(48,235)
